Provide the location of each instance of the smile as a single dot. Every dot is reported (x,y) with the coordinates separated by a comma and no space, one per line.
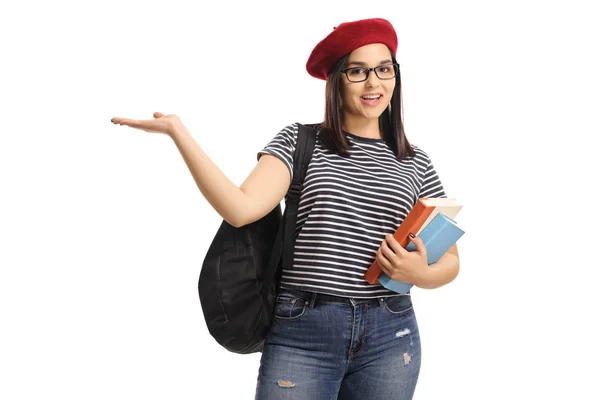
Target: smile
(371,100)
(371,96)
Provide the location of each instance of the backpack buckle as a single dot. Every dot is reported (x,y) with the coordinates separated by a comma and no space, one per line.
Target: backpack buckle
(295,189)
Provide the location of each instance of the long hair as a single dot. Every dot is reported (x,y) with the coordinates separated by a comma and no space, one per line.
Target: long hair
(390,121)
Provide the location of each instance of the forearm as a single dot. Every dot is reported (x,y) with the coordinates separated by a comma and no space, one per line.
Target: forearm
(222,194)
(444,271)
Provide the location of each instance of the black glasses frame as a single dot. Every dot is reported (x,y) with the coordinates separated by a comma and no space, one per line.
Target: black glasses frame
(395,66)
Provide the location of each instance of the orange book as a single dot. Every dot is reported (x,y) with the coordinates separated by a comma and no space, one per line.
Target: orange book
(418,218)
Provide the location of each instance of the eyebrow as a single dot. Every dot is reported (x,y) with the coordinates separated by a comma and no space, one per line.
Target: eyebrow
(361,63)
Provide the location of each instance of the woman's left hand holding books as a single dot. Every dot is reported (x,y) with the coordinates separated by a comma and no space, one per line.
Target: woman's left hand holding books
(402,265)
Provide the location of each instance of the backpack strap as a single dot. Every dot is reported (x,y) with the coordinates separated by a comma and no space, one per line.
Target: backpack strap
(283,248)
(302,157)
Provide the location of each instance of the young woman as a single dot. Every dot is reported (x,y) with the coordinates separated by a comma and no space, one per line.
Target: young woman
(335,336)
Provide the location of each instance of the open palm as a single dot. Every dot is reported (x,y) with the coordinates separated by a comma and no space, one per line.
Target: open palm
(165,124)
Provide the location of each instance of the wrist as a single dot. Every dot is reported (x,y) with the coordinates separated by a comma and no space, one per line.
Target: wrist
(178,132)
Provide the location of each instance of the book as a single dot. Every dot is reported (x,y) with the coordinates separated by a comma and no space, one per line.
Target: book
(418,217)
(438,236)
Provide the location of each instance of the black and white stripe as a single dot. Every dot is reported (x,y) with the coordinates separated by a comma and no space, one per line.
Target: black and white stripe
(347,206)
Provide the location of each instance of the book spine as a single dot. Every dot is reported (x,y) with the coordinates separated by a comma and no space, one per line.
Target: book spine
(412,223)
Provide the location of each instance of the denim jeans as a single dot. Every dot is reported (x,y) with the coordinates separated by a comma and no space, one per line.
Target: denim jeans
(323,347)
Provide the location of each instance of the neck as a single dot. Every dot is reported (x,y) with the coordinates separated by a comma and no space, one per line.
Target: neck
(368,128)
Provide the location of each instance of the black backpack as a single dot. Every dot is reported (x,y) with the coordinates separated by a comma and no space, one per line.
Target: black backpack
(242,268)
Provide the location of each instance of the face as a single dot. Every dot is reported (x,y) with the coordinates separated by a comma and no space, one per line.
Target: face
(367,99)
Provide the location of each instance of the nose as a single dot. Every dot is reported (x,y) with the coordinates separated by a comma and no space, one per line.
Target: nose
(372,80)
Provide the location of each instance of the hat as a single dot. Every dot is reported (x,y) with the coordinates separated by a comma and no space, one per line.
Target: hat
(347,37)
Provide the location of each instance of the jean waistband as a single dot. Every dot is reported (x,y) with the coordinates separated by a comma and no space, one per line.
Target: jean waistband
(314,297)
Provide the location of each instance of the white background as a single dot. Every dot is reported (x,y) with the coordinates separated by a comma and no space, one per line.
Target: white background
(103,231)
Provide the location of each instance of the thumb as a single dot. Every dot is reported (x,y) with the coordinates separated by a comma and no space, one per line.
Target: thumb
(158,115)
(418,242)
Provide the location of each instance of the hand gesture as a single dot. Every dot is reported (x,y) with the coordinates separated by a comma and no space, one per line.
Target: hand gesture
(166,124)
(402,265)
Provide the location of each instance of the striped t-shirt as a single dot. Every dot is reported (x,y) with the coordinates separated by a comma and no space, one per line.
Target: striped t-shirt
(347,206)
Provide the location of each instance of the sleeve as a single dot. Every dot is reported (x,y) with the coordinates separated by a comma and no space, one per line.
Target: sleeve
(431,185)
(283,146)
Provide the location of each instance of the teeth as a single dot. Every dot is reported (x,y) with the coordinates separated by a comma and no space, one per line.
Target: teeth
(371,96)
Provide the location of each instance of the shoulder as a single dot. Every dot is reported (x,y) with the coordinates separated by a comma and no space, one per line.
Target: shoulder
(286,136)
(420,154)
(290,130)
(289,133)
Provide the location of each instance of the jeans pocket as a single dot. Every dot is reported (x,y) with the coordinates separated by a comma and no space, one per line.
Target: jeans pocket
(289,307)
(398,305)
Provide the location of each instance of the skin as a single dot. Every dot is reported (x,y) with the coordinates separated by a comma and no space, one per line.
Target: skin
(268,182)
(359,118)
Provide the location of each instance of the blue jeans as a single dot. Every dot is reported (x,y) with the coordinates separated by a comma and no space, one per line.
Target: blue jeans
(323,347)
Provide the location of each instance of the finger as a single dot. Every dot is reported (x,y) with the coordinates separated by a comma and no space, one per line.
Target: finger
(387,251)
(158,115)
(384,263)
(386,269)
(139,123)
(120,121)
(394,245)
(127,122)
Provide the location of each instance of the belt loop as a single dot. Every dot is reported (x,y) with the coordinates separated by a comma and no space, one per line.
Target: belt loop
(380,301)
(313,300)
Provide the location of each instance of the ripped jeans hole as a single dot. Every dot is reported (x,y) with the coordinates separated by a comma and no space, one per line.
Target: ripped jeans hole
(285,384)
(403,332)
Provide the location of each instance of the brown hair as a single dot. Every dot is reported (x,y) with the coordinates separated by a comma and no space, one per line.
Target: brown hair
(390,121)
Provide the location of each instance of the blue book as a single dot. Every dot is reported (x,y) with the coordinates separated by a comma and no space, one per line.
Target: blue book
(438,236)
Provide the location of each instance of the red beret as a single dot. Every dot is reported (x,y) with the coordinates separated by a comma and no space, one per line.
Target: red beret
(347,37)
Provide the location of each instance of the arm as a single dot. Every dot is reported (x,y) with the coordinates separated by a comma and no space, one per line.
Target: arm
(442,272)
(260,193)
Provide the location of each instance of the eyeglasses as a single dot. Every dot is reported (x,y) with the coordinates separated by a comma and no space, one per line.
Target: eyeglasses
(361,74)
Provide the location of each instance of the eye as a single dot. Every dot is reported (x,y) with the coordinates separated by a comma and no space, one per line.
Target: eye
(356,71)
(384,69)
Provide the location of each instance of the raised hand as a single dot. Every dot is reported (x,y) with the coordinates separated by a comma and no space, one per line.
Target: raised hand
(165,124)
